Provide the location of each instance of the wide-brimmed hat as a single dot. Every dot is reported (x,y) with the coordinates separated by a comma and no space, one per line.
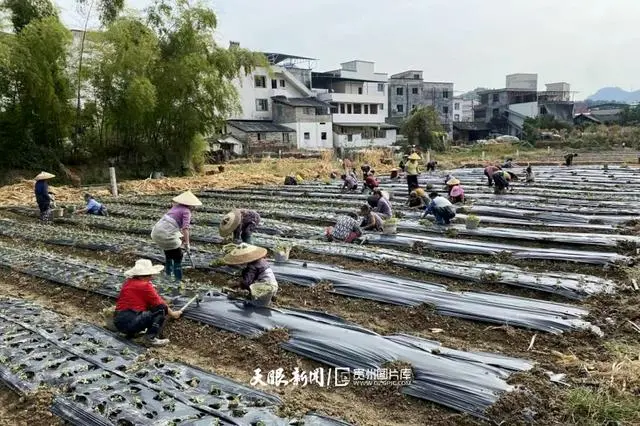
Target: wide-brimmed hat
(143,268)
(230,222)
(419,192)
(187,199)
(453,181)
(414,156)
(244,253)
(44,176)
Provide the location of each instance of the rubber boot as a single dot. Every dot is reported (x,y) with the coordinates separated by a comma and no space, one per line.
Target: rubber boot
(177,271)
(168,267)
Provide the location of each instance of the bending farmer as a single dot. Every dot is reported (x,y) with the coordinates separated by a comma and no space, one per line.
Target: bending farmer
(139,306)
(489,172)
(382,205)
(440,208)
(172,231)
(241,223)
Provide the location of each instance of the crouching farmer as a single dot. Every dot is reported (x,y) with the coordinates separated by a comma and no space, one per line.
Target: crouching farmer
(240,223)
(257,276)
(345,230)
(440,208)
(93,207)
(139,306)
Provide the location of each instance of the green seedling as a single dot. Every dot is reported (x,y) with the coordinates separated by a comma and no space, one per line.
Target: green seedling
(239,412)
(196,399)
(155,379)
(194,382)
(170,406)
(214,390)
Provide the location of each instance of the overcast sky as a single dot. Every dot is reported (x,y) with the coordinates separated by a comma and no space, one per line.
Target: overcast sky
(587,43)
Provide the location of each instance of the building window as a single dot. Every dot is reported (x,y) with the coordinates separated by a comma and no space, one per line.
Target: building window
(400,108)
(496,97)
(445,110)
(357,108)
(359,90)
(274,84)
(495,113)
(456,106)
(348,108)
(445,94)
(261,136)
(349,138)
(285,137)
(414,90)
(307,136)
(416,76)
(373,109)
(262,104)
(323,136)
(334,108)
(341,108)
(456,117)
(366,108)
(260,81)
(309,111)
(399,91)
(380,87)
(381,107)
(282,83)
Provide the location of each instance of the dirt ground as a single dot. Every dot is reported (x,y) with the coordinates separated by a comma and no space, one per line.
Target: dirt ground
(29,410)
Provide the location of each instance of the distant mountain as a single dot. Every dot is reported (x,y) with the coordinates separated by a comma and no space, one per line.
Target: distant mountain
(615,94)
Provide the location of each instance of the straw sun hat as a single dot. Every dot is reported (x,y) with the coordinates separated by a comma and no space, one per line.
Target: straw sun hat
(419,192)
(453,181)
(44,176)
(143,268)
(187,199)
(244,253)
(414,156)
(230,222)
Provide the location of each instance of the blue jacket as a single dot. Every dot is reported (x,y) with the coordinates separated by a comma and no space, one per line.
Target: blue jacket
(42,192)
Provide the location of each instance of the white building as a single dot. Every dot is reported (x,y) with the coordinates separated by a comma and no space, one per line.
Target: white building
(281,96)
(462,109)
(358,97)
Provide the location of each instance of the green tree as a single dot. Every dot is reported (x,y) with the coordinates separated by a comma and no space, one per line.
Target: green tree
(195,76)
(22,12)
(108,9)
(35,118)
(423,128)
(630,116)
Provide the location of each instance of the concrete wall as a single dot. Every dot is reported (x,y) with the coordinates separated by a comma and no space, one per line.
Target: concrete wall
(522,81)
(269,141)
(358,141)
(315,131)
(529,109)
(463,110)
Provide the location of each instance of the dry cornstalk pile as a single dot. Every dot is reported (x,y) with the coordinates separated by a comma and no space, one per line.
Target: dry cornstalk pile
(267,171)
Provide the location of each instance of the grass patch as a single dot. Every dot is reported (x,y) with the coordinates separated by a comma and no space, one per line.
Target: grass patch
(591,407)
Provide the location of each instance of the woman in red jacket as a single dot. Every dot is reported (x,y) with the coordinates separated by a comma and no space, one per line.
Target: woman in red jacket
(139,306)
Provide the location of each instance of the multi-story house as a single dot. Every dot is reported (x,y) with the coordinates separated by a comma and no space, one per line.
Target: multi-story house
(505,110)
(279,111)
(358,98)
(408,90)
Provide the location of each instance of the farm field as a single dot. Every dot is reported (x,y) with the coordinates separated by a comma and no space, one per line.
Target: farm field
(532,318)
